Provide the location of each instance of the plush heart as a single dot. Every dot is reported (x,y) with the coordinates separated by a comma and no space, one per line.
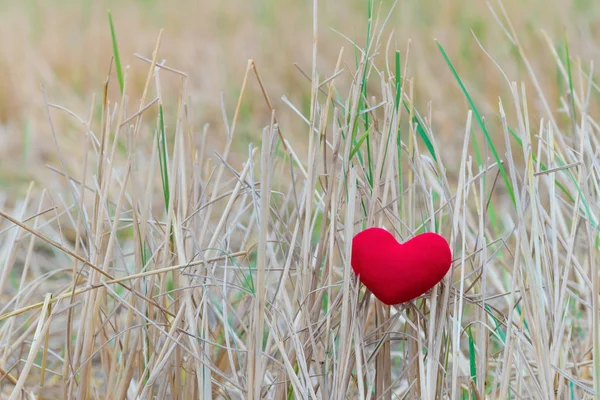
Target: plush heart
(394,272)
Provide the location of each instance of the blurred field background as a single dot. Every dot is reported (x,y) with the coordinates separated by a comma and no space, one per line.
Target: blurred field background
(66,46)
(517,318)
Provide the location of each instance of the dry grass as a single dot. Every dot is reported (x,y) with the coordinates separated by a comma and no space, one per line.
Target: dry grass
(165,258)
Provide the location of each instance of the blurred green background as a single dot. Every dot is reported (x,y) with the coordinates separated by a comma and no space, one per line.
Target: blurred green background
(65,45)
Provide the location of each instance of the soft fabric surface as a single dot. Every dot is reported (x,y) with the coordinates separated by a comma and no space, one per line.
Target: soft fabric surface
(396,273)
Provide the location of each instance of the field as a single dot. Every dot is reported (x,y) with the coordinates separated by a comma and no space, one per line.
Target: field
(180,183)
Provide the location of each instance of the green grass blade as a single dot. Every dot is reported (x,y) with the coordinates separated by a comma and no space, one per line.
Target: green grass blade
(568,62)
(420,130)
(162,156)
(396,109)
(472,356)
(542,165)
(498,332)
(399,137)
(364,88)
(359,143)
(116,52)
(481,125)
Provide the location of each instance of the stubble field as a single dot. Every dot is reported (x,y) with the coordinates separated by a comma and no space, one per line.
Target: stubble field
(180,183)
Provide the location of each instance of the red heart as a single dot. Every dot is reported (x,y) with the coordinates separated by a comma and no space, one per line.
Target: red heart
(394,272)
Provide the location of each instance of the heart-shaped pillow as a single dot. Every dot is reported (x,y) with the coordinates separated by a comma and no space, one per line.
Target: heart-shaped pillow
(394,272)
